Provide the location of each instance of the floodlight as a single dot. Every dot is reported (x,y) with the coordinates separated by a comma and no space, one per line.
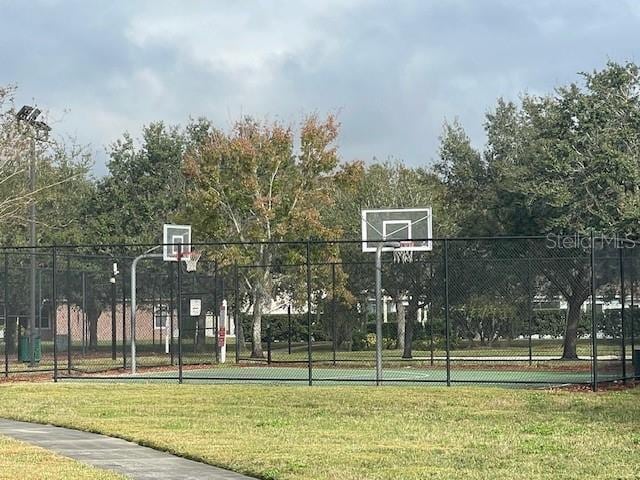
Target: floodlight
(24,112)
(35,112)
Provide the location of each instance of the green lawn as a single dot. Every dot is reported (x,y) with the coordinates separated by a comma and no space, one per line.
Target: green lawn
(21,460)
(357,432)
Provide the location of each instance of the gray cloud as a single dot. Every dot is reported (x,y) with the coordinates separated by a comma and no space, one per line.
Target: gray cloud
(393,70)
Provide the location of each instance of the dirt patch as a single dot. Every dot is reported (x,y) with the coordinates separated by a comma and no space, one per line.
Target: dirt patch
(617,385)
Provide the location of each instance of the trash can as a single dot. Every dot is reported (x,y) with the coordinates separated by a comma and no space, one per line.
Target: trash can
(24,353)
(636,363)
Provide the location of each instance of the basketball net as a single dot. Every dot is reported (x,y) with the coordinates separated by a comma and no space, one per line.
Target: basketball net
(403,254)
(191,260)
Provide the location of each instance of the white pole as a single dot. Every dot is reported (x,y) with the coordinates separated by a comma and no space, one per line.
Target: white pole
(379,303)
(384,309)
(379,313)
(222,325)
(133,302)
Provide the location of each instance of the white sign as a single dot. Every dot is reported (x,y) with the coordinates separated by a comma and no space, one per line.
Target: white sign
(195,307)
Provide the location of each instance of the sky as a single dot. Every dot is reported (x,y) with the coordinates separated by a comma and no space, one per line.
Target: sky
(393,71)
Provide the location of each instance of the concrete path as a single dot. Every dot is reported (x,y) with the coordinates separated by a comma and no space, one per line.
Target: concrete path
(129,459)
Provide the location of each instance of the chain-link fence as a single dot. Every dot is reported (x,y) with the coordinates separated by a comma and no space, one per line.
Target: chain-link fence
(534,311)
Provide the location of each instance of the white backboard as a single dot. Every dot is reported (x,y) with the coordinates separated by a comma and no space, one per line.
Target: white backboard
(397,224)
(175,238)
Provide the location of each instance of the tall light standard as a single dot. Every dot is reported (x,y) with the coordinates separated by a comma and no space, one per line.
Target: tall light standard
(29,115)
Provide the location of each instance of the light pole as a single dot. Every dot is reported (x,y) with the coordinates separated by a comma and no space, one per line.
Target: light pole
(29,115)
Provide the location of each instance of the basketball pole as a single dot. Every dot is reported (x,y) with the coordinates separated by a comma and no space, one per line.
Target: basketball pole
(147,254)
(379,248)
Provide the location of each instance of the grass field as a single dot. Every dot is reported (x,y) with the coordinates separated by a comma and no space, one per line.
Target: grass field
(20,460)
(357,432)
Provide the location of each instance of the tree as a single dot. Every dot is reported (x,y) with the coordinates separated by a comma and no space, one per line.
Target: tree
(390,185)
(565,163)
(464,174)
(582,171)
(15,153)
(57,164)
(145,186)
(253,185)
(144,189)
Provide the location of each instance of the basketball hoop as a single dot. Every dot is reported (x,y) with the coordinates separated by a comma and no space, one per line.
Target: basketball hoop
(403,254)
(191,260)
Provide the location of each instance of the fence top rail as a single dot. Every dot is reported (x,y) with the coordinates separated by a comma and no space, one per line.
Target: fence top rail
(285,242)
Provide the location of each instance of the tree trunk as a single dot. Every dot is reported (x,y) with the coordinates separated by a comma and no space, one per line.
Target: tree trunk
(201,330)
(92,317)
(318,313)
(408,331)
(571,332)
(240,333)
(400,317)
(256,327)
(348,337)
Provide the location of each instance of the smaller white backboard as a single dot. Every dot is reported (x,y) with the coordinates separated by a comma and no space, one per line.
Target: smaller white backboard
(176,239)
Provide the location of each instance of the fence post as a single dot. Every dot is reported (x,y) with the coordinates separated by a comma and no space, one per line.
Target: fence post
(84,312)
(594,328)
(154,312)
(268,342)
(5,285)
(236,310)
(289,331)
(431,344)
(309,312)
(333,312)
(179,318)
(622,318)
(54,314)
(163,316)
(69,338)
(633,320)
(124,320)
(430,310)
(172,307)
(216,312)
(529,310)
(446,310)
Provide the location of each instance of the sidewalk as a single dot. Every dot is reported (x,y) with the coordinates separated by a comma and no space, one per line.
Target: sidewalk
(126,458)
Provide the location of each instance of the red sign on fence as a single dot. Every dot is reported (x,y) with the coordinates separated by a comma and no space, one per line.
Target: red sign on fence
(222,334)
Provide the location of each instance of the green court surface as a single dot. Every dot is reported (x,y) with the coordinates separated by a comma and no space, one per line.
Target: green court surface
(295,375)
